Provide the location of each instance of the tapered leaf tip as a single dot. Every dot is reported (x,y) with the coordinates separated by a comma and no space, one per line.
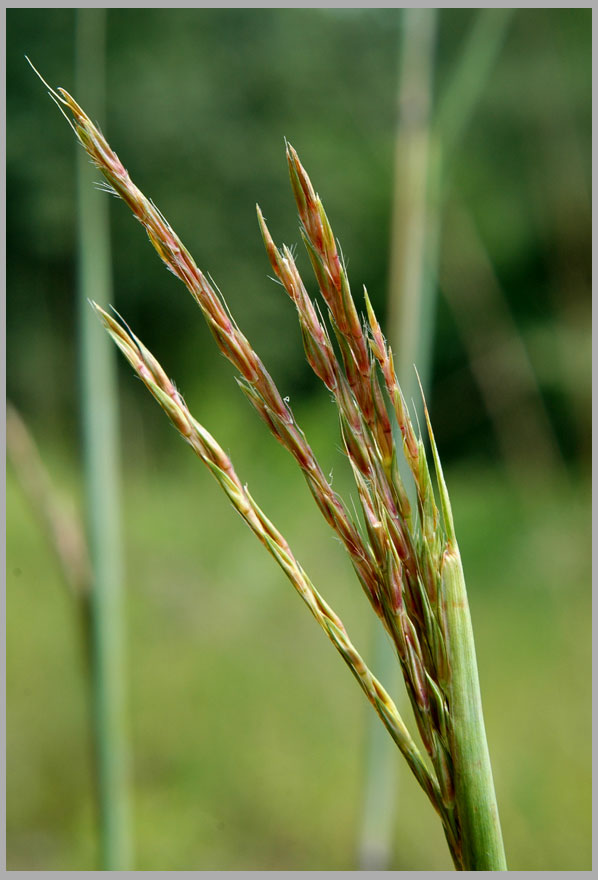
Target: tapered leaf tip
(445,503)
(369,309)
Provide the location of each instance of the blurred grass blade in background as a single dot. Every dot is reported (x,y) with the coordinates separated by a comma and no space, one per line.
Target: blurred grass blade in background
(410,307)
(488,332)
(63,530)
(496,349)
(458,100)
(411,294)
(99,410)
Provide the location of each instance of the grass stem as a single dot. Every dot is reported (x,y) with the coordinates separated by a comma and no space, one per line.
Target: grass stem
(101,460)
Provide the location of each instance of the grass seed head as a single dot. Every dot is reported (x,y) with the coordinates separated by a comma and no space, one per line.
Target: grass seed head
(407,562)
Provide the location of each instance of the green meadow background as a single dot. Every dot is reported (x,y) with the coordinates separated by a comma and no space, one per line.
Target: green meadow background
(247,735)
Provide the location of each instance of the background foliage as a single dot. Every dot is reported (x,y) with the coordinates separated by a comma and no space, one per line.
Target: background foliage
(247,732)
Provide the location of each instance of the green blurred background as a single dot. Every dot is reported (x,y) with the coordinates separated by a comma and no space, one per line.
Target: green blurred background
(247,732)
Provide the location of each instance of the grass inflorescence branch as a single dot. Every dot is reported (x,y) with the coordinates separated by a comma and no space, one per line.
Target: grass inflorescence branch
(213,456)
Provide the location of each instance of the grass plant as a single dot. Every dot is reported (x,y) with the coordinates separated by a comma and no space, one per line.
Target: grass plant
(405,555)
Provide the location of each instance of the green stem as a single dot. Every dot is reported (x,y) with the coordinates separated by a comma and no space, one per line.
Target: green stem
(101,459)
(475,799)
(477,809)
